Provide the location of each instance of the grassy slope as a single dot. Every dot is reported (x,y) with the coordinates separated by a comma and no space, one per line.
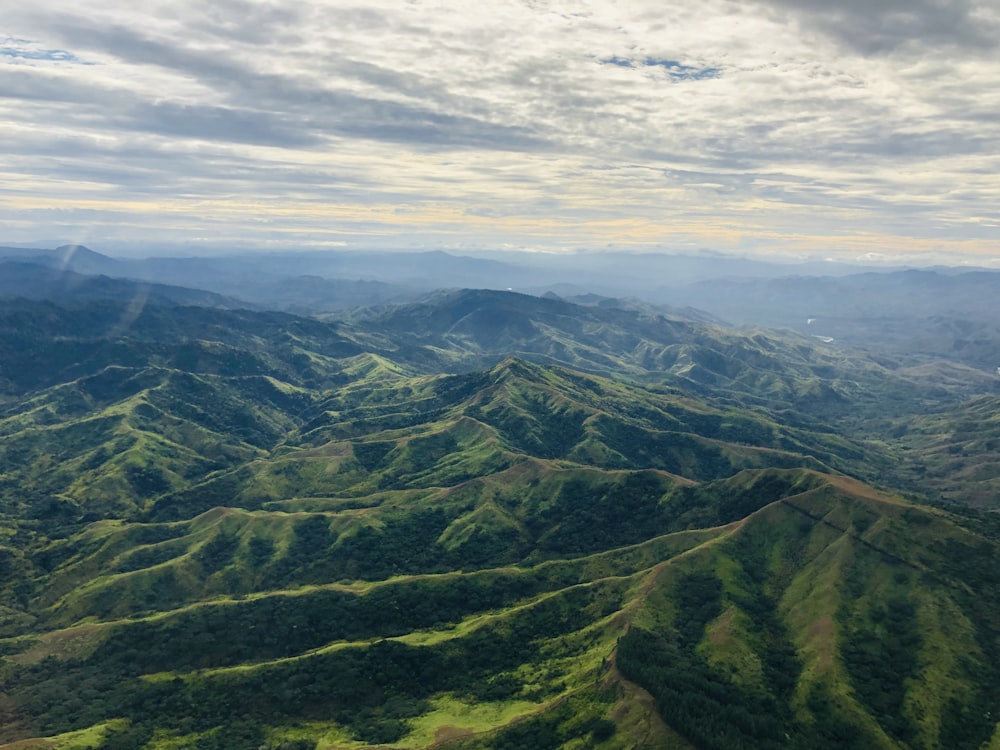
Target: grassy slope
(798,609)
(842,613)
(415,558)
(955,450)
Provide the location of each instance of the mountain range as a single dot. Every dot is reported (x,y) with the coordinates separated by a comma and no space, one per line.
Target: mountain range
(483,519)
(935,312)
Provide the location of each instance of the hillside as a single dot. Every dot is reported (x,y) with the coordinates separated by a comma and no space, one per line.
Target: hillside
(484,520)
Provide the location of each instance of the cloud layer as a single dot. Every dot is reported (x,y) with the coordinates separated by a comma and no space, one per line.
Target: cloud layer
(796,127)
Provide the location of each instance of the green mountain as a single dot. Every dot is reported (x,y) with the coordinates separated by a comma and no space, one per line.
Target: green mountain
(483,521)
(954,450)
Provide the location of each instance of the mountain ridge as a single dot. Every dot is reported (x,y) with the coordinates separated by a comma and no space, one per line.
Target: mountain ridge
(246,529)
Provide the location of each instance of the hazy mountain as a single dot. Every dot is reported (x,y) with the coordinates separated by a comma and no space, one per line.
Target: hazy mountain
(244,282)
(863,306)
(41,282)
(66,258)
(900,294)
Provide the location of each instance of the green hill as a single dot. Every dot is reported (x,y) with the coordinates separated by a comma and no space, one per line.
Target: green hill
(486,521)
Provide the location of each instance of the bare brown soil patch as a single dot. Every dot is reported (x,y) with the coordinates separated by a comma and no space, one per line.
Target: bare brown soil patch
(62,644)
(821,635)
(446,733)
(721,631)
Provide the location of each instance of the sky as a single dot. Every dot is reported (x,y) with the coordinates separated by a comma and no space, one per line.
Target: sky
(851,130)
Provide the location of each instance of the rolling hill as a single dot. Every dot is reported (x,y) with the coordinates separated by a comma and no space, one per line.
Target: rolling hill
(483,520)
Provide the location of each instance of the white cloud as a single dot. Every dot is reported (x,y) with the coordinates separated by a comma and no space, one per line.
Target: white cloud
(781,125)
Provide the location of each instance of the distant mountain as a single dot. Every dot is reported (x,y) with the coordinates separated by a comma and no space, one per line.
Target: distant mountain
(658,271)
(42,282)
(66,258)
(887,311)
(278,283)
(899,294)
(844,299)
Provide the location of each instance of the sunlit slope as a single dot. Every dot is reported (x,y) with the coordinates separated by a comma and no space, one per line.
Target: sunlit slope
(836,613)
(827,616)
(528,514)
(444,430)
(104,445)
(158,444)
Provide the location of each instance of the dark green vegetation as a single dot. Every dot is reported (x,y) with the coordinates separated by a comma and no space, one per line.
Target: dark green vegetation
(486,520)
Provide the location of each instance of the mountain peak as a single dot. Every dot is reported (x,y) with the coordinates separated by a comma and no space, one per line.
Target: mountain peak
(75,249)
(514,367)
(80,254)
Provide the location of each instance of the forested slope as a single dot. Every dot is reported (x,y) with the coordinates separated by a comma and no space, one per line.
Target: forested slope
(486,520)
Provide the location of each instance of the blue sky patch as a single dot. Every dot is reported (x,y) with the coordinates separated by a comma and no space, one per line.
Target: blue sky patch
(676,70)
(680,71)
(621,62)
(24,49)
